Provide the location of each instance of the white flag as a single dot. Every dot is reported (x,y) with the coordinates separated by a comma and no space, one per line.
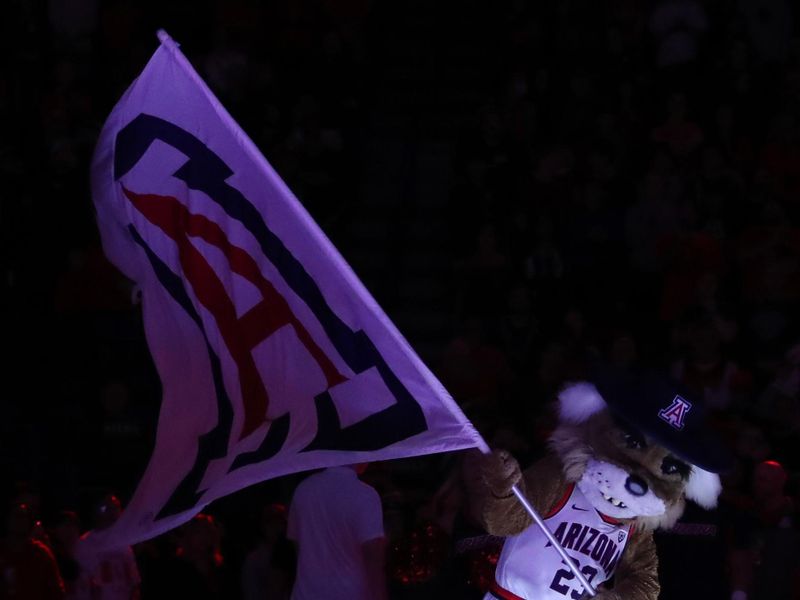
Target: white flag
(272,355)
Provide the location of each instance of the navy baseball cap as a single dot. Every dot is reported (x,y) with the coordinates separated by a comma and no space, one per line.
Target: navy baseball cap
(663,409)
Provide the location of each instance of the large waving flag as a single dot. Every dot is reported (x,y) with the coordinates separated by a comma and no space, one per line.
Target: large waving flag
(273,357)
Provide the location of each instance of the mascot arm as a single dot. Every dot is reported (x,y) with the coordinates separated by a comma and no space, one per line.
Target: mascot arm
(498,509)
(637,573)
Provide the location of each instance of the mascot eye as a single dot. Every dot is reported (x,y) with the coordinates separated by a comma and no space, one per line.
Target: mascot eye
(634,440)
(672,466)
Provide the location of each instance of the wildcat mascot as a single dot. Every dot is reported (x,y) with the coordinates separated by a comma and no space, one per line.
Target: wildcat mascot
(626,454)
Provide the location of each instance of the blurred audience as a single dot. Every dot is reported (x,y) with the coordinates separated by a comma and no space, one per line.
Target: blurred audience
(611,180)
(106,574)
(268,570)
(28,567)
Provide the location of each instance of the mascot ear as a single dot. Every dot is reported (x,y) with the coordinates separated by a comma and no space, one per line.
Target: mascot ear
(579,401)
(703,487)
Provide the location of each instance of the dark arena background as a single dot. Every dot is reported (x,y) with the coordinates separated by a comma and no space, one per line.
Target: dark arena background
(523,186)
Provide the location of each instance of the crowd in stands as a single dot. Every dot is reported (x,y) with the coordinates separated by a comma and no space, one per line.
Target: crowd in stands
(628,190)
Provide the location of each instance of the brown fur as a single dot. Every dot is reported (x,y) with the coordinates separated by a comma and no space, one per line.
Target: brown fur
(573,445)
(599,437)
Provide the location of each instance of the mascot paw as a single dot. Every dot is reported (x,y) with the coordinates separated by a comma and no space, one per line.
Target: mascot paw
(500,471)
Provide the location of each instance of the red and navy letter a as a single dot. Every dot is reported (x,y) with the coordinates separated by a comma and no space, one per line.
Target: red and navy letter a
(206,172)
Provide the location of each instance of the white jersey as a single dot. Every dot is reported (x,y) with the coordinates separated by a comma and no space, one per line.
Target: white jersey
(530,569)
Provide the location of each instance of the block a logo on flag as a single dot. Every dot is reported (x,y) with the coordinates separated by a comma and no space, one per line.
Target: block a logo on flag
(272,355)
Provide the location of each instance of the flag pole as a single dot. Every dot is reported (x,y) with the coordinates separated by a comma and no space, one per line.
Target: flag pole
(484,447)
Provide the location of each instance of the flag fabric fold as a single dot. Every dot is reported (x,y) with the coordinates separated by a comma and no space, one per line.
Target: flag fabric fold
(272,355)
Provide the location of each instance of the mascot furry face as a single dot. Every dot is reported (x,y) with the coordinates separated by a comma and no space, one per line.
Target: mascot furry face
(626,454)
(624,472)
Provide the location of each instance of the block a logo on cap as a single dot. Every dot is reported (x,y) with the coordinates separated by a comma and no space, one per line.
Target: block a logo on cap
(675,413)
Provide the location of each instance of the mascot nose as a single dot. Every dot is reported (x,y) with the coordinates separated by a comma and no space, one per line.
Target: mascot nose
(636,485)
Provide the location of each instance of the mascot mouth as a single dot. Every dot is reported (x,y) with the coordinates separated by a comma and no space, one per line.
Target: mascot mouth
(614,501)
(607,488)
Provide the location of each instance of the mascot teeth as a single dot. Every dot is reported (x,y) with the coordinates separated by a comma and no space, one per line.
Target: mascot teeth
(614,501)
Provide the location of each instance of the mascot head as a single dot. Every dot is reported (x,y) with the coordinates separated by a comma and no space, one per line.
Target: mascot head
(637,446)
